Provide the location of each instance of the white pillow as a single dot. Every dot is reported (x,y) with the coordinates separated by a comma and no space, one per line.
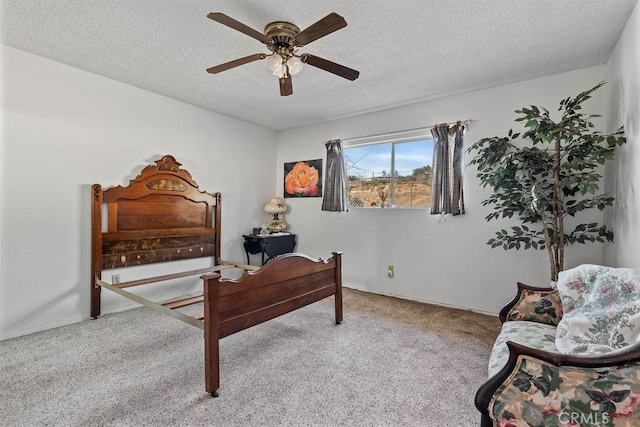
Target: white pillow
(601,309)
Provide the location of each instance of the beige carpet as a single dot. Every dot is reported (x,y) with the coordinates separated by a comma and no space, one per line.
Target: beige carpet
(390,363)
(476,328)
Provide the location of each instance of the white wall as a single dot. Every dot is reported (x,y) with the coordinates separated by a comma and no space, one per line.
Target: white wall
(623,177)
(447,262)
(64,129)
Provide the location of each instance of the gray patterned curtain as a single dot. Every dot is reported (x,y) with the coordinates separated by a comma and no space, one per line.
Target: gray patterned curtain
(335,198)
(446,182)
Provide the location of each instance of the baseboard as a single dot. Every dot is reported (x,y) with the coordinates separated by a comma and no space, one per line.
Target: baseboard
(60,323)
(404,297)
(40,328)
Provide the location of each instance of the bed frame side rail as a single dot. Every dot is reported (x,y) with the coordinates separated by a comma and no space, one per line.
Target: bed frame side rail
(168,307)
(153,305)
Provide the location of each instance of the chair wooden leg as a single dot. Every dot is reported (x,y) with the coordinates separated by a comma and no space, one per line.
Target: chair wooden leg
(485,421)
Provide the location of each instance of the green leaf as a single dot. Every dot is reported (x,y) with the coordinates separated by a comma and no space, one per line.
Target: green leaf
(543,385)
(596,396)
(606,384)
(531,414)
(522,384)
(619,395)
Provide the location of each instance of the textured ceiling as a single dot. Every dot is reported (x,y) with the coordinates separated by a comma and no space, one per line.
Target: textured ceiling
(406,51)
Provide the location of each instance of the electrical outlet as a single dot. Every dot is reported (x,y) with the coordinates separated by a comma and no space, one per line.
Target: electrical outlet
(390,270)
(115,278)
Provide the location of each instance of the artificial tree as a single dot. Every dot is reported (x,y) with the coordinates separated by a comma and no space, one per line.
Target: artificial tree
(546,174)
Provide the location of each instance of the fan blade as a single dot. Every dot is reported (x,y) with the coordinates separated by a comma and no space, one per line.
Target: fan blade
(235,63)
(286,86)
(327,25)
(238,26)
(332,67)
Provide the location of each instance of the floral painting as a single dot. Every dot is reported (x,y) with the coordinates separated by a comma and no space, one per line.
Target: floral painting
(303,178)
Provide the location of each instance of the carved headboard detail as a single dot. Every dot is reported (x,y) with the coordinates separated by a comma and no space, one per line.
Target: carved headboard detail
(160,216)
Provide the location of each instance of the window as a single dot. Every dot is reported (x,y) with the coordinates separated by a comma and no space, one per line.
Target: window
(392,170)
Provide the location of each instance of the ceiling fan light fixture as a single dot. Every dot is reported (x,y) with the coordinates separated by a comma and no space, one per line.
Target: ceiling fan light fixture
(275,63)
(295,65)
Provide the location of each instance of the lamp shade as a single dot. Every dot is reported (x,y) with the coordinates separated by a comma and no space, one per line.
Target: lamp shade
(295,65)
(276,207)
(275,64)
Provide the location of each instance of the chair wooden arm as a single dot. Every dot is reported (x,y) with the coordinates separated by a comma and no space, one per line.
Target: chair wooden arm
(535,304)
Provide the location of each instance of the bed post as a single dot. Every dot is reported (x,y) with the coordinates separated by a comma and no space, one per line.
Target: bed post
(218,226)
(338,279)
(96,247)
(211,334)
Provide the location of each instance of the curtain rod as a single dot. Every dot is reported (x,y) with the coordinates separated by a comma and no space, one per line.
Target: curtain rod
(406,131)
(457,122)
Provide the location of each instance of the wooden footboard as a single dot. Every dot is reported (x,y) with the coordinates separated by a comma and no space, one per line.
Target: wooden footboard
(285,284)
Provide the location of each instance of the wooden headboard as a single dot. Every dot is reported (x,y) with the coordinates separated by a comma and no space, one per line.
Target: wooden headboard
(160,216)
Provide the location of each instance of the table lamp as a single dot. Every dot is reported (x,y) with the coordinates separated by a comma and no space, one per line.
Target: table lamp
(277,208)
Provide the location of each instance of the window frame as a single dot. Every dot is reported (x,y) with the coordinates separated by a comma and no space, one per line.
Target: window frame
(392,138)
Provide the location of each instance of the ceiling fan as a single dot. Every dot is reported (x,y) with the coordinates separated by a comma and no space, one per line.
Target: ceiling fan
(283,40)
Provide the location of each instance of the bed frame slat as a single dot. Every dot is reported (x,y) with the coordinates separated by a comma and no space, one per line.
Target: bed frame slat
(170,276)
(184,302)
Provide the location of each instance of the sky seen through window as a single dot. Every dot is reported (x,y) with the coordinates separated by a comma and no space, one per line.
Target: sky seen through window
(370,161)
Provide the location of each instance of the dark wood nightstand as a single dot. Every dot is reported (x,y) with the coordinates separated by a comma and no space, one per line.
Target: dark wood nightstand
(269,246)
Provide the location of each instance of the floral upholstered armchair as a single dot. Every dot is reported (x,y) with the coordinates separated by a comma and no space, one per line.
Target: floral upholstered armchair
(569,355)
